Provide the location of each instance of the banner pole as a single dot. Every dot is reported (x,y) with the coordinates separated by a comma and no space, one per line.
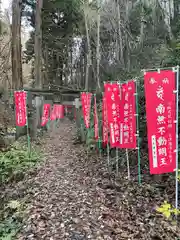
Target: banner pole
(127,155)
(99,146)
(117,163)
(137,125)
(108,156)
(99,138)
(28,136)
(177,115)
(155,69)
(120,96)
(100,142)
(87,139)
(96,111)
(128,167)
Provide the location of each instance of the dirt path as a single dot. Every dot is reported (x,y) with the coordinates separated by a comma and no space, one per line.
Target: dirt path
(73,199)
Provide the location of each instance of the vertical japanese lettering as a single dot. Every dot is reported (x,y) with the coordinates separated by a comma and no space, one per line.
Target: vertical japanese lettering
(160,112)
(112,96)
(127,116)
(45,116)
(20,107)
(86,107)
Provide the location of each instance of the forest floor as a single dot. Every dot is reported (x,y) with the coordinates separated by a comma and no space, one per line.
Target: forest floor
(72,197)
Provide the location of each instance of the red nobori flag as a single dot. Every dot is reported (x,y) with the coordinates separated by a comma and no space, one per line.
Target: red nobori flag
(59,111)
(112,95)
(53,115)
(128,117)
(86,107)
(104,122)
(45,117)
(96,134)
(20,106)
(161,115)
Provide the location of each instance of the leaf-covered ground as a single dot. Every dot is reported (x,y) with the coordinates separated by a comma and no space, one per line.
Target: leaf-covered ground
(72,197)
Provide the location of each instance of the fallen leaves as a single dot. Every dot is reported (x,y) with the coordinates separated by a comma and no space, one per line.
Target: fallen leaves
(73,198)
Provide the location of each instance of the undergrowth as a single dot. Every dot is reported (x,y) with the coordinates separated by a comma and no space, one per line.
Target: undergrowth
(14,163)
(11,219)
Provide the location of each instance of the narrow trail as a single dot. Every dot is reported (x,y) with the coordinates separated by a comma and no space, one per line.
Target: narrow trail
(72,199)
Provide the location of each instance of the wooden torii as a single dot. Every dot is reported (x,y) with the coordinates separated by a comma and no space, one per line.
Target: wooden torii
(57,94)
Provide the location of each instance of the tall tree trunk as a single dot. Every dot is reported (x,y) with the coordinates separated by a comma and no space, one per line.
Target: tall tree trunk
(128,56)
(120,38)
(17,81)
(98,45)
(168,8)
(38,44)
(38,64)
(142,27)
(88,52)
(71,61)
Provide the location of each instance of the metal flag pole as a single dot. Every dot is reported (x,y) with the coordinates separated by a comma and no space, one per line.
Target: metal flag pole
(137,135)
(108,155)
(88,129)
(117,163)
(108,145)
(127,154)
(100,136)
(177,115)
(155,69)
(27,125)
(117,150)
(117,157)
(128,167)
(99,141)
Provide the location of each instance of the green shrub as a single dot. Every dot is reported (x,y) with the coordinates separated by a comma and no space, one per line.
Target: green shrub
(11,219)
(13,164)
(16,161)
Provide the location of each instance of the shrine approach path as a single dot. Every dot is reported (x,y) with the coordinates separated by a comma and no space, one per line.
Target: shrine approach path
(73,198)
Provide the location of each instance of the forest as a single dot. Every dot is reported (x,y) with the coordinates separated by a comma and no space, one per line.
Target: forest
(59,178)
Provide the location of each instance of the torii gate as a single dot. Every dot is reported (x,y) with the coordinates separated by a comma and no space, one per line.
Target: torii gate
(62,95)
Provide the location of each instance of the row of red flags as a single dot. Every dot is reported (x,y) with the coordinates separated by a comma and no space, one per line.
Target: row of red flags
(118,114)
(119,117)
(57,112)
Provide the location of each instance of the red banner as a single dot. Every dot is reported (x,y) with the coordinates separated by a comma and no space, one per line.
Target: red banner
(96,132)
(53,115)
(128,117)
(112,95)
(20,106)
(161,115)
(59,111)
(45,117)
(104,122)
(86,107)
